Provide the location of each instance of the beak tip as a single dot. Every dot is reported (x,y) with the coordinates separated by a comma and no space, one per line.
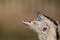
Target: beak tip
(22,21)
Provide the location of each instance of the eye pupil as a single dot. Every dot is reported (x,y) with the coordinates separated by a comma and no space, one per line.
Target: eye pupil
(44,28)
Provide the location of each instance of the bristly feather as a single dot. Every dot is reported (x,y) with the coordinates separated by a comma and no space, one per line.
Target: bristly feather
(45,27)
(53,22)
(38,13)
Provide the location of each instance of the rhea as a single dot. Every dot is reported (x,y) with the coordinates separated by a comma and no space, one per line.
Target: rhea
(44,26)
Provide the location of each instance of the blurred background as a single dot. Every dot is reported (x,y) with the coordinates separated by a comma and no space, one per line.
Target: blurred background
(12,12)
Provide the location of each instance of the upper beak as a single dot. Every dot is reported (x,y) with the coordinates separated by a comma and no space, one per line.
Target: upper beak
(26,22)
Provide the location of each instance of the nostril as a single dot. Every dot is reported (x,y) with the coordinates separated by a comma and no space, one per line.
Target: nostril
(29,21)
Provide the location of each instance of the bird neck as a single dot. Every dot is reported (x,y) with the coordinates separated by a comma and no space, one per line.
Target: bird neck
(41,37)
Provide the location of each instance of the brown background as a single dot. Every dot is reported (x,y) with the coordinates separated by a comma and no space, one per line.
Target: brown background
(12,12)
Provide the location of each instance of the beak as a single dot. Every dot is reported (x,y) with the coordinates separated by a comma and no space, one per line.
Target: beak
(26,22)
